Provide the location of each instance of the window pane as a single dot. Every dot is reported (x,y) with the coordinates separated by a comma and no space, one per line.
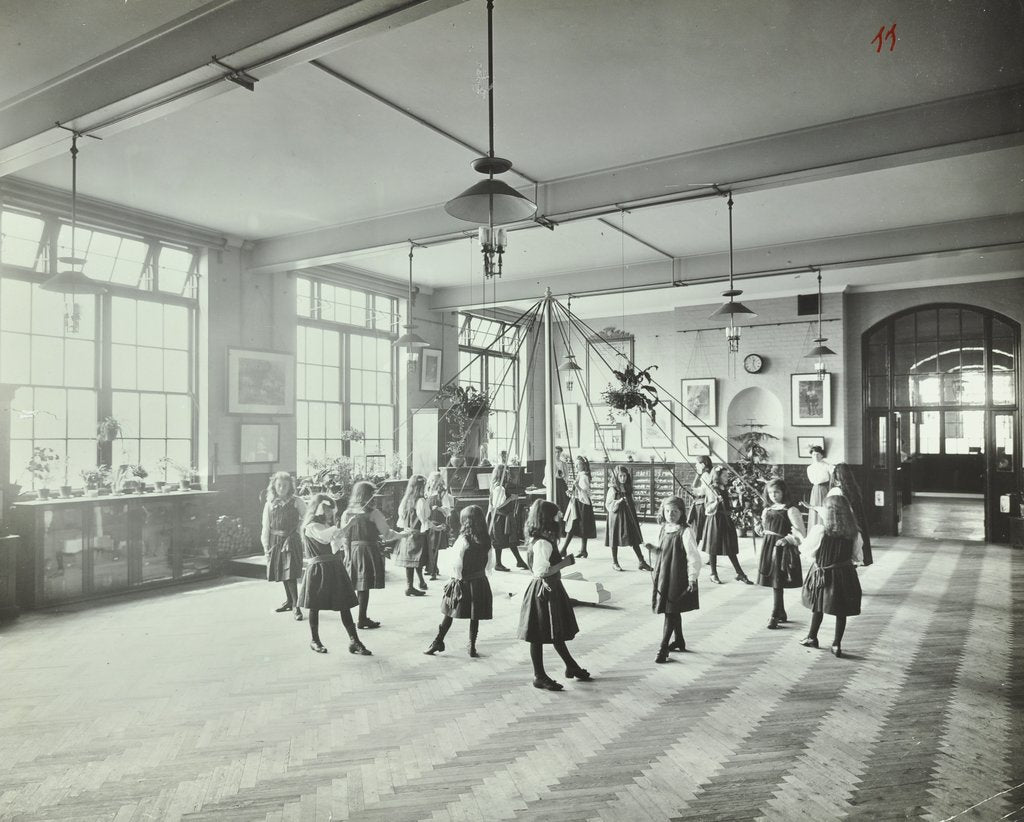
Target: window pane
(47,313)
(332,348)
(964,432)
(317,419)
(331,386)
(122,366)
(302,420)
(176,327)
(122,320)
(125,409)
(1002,388)
(79,362)
(949,323)
(973,323)
(176,371)
(314,382)
(179,417)
(151,323)
(151,369)
(50,418)
(20,235)
(927,324)
(314,345)
(14,364)
(927,432)
(82,414)
(47,361)
(152,420)
(14,297)
(1003,424)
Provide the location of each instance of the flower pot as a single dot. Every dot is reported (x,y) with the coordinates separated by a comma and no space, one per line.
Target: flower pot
(183,485)
(159,486)
(43,493)
(65,491)
(92,492)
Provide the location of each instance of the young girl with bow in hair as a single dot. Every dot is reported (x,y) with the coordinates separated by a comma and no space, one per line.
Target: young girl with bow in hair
(325,584)
(279,534)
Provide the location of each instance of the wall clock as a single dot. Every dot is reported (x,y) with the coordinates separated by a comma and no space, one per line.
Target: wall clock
(753,363)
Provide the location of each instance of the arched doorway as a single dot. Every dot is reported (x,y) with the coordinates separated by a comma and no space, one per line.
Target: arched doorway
(942,423)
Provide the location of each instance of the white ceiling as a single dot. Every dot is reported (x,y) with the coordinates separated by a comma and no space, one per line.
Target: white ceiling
(582,86)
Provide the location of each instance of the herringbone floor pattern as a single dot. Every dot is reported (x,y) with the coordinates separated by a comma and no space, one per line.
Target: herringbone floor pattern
(205,705)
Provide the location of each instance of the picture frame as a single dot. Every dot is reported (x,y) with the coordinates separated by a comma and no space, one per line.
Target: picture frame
(810,399)
(803,445)
(608,437)
(657,433)
(261,382)
(567,415)
(617,351)
(699,399)
(430,369)
(698,446)
(258,443)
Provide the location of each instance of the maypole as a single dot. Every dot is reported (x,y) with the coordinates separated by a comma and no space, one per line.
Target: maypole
(549,401)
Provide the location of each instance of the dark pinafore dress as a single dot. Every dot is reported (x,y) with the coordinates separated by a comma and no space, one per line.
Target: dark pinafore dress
(672,578)
(547,614)
(411,551)
(832,586)
(325,584)
(469,596)
(696,518)
(436,540)
(363,553)
(779,567)
(284,559)
(719,532)
(504,528)
(623,526)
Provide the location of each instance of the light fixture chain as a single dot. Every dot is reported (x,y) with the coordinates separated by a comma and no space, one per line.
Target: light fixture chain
(490,78)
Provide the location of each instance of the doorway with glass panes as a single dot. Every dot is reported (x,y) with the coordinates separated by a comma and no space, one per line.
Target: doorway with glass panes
(942,421)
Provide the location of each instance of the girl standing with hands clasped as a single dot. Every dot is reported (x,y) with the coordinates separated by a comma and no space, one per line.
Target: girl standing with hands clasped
(547,617)
(697,517)
(623,524)
(282,544)
(675,576)
(363,527)
(832,586)
(502,513)
(845,482)
(326,585)
(719,531)
(414,515)
(579,516)
(779,564)
(468,594)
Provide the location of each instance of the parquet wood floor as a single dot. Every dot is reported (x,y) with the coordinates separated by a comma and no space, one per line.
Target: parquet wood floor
(203,704)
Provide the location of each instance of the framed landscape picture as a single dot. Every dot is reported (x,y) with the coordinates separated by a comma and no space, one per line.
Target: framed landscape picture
(259,442)
(566,422)
(430,369)
(804,445)
(811,399)
(700,399)
(260,382)
(657,433)
(698,446)
(608,437)
(603,355)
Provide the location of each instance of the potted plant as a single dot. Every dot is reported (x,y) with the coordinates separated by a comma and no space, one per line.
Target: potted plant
(184,475)
(194,482)
(40,467)
(131,478)
(466,414)
(108,430)
(635,391)
(747,489)
(164,464)
(94,478)
(65,489)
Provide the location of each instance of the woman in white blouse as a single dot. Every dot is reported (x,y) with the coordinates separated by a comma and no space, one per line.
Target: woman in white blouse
(819,473)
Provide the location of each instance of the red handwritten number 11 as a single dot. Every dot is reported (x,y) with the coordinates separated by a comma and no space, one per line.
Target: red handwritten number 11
(884,35)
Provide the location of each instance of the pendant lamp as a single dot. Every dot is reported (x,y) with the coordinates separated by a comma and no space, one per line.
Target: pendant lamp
(491,202)
(732,309)
(410,339)
(72,280)
(820,350)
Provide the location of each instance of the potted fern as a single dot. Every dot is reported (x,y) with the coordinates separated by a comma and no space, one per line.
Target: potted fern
(634,392)
(752,476)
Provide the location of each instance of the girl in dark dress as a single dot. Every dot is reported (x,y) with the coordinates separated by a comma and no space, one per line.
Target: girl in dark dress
(779,564)
(831,586)
(697,517)
(438,503)
(719,531)
(468,594)
(503,517)
(363,528)
(282,516)
(326,585)
(675,576)
(414,515)
(623,523)
(845,482)
(547,616)
(579,514)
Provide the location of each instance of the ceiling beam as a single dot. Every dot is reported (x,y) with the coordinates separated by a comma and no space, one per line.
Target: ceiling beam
(916,134)
(172,67)
(852,251)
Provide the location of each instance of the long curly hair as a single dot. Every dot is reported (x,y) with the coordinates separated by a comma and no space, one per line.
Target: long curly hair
(839,519)
(623,486)
(359,499)
(414,490)
(844,479)
(582,465)
(272,495)
(542,521)
(435,485)
(313,510)
(473,526)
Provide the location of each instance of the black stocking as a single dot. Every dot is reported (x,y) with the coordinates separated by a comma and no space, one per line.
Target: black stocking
(517,555)
(778,607)
(713,564)
(442,629)
(666,634)
(615,555)
(840,630)
(639,553)
(419,573)
(364,600)
(288,594)
(565,545)
(537,658)
(736,565)
(816,618)
(497,555)
(314,625)
(474,630)
(410,574)
(563,652)
(346,620)
(292,586)
(677,622)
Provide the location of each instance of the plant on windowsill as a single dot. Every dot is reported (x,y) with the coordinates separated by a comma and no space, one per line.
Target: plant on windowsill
(194,481)
(466,408)
(108,430)
(164,464)
(40,467)
(95,480)
(131,478)
(635,392)
(65,489)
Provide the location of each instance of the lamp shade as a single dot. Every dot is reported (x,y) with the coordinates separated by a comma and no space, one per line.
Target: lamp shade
(72,281)
(489,200)
(410,339)
(570,365)
(820,351)
(732,308)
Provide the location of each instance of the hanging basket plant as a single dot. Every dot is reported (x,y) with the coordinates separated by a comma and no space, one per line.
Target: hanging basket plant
(635,392)
(466,407)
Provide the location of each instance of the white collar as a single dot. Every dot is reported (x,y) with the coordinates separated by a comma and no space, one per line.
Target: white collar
(673,527)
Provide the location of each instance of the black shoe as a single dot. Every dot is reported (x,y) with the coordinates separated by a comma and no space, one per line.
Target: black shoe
(298,615)
(316,646)
(472,650)
(678,646)
(546,684)
(500,568)
(286,607)
(662,656)
(616,566)
(368,625)
(744,579)
(356,647)
(522,566)
(582,555)
(809,642)
(412,592)
(433,577)
(783,617)
(435,646)
(423,585)
(645,567)
(836,651)
(714,578)
(578,673)
(773,623)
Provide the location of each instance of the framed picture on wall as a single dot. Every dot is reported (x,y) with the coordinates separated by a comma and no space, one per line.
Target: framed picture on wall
(700,401)
(260,382)
(258,442)
(608,437)
(698,446)
(811,399)
(566,420)
(804,445)
(657,433)
(604,354)
(430,369)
